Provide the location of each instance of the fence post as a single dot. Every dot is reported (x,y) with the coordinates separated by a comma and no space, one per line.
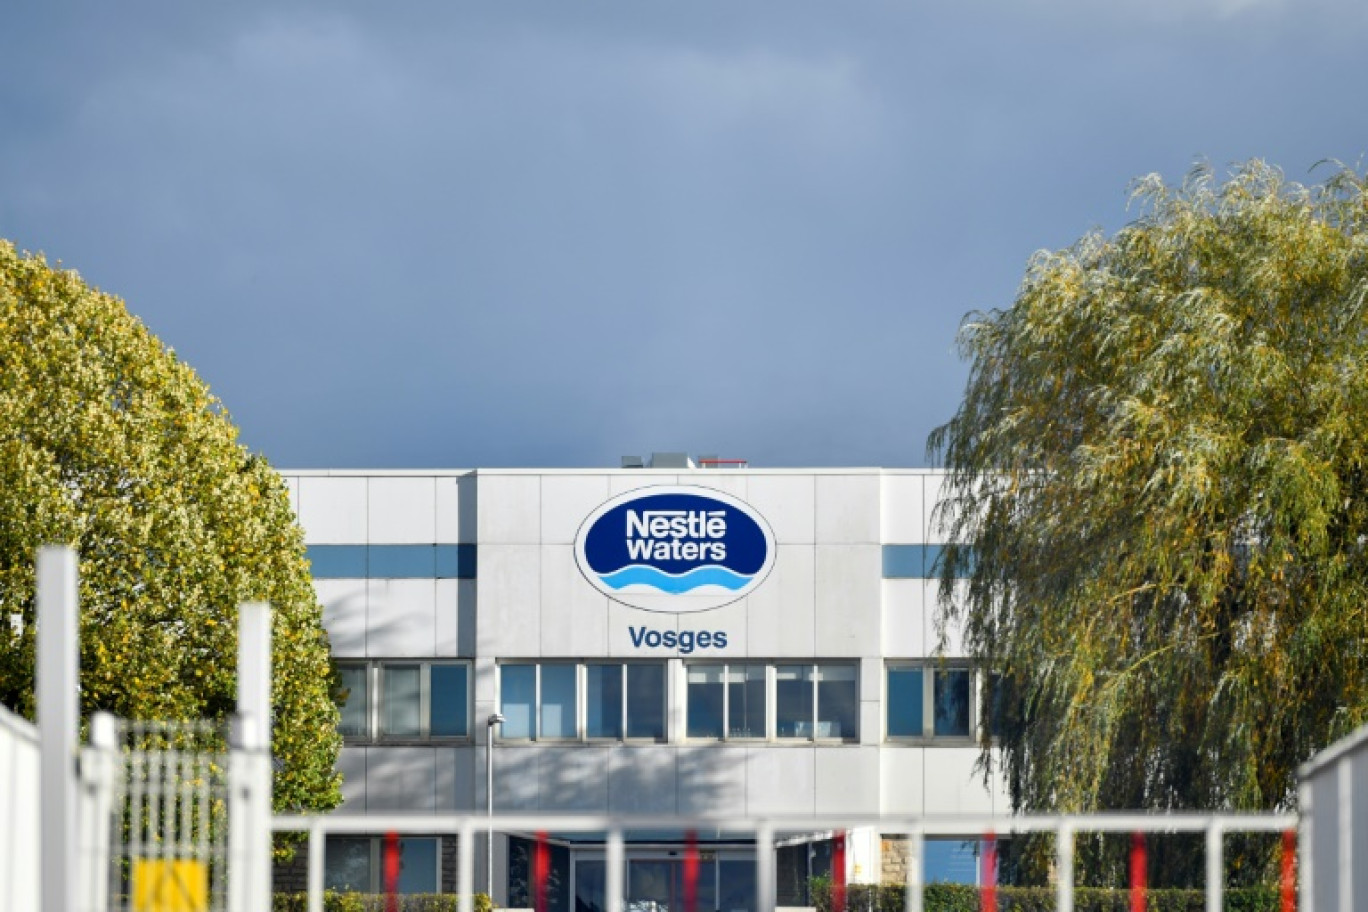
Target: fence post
(58,688)
(249,766)
(1215,866)
(764,867)
(1064,865)
(914,898)
(612,890)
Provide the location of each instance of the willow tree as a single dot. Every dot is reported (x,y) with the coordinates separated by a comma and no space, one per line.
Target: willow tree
(110,444)
(1158,495)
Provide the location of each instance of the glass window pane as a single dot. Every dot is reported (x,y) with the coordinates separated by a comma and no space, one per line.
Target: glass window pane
(997,705)
(355,721)
(793,701)
(905,688)
(705,701)
(838,704)
(517,690)
(952,703)
(746,701)
(590,888)
(347,864)
(738,885)
(450,702)
(646,701)
(951,861)
(603,701)
(417,864)
(400,710)
(557,702)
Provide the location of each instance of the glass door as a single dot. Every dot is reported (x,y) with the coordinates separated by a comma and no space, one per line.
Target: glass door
(656,882)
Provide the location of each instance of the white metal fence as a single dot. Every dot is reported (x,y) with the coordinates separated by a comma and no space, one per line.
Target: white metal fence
(763,830)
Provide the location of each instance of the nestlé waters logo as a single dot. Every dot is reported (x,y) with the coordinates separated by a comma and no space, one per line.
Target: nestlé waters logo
(675,549)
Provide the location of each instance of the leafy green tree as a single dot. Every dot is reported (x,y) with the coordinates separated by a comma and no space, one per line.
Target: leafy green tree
(1158,494)
(111,444)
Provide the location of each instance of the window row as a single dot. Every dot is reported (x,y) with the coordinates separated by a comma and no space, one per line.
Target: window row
(932,700)
(569,701)
(405,700)
(773,701)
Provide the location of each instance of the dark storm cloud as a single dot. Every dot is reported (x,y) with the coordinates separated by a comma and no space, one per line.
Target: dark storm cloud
(548,234)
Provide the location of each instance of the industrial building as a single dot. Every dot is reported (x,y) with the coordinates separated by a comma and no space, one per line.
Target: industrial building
(677,637)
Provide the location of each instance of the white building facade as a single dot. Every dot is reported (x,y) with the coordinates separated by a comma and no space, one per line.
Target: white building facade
(816,686)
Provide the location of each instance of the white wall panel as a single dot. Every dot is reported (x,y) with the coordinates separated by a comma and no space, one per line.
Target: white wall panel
(566,501)
(448,616)
(953,786)
(732,620)
(780,780)
(509,509)
(457,508)
(516,778)
(401,616)
(849,612)
(574,615)
(344,615)
(903,520)
(725,480)
(789,503)
(642,780)
(574,779)
(621,483)
(904,617)
(510,601)
(401,510)
(954,629)
(333,510)
(782,611)
(351,763)
(455,774)
(712,777)
(847,780)
(902,780)
(401,779)
(871,722)
(847,509)
(935,488)
(621,618)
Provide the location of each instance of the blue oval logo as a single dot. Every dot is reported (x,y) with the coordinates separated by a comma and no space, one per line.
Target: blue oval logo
(675,549)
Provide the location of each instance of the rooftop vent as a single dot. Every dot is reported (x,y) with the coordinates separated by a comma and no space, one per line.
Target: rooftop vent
(681,461)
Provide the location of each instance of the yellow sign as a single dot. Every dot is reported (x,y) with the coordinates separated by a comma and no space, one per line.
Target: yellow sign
(170,885)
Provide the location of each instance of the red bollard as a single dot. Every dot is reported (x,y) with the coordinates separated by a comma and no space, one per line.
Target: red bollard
(390,872)
(988,896)
(1289,871)
(691,871)
(1139,865)
(541,871)
(838,873)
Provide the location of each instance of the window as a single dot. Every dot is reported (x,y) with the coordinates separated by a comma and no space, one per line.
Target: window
(405,700)
(929,700)
(810,701)
(620,700)
(355,863)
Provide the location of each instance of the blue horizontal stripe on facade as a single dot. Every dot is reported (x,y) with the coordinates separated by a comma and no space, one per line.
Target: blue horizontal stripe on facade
(392,561)
(912,561)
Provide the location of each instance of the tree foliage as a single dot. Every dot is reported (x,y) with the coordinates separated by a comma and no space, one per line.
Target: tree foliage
(111,444)
(1158,495)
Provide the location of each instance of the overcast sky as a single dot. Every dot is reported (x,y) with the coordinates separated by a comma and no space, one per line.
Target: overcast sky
(508,233)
